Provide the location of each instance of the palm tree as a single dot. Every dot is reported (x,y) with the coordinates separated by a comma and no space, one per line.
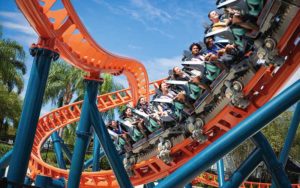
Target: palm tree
(12,69)
(63,82)
(12,66)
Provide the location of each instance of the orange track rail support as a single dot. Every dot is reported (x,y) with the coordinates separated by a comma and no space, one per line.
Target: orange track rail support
(64,30)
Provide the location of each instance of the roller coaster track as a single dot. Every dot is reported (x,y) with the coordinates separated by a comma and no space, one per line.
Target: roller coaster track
(212,180)
(61,30)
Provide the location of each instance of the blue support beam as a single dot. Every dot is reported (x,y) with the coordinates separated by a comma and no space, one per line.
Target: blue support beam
(275,167)
(28,181)
(290,135)
(48,182)
(189,185)
(221,173)
(108,147)
(89,162)
(83,134)
(233,138)
(30,114)
(2,172)
(149,185)
(66,150)
(58,150)
(96,154)
(4,161)
(244,170)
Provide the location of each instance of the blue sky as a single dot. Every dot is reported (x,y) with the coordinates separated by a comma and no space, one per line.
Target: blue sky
(153,32)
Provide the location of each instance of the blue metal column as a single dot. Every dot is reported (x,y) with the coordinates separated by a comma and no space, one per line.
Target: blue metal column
(30,113)
(290,136)
(275,167)
(108,147)
(83,133)
(149,185)
(5,159)
(66,150)
(58,152)
(2,172)
(189,185)
(244,170)
(89,162)
(48,182)
(233,138)
(96,154)
(221,174)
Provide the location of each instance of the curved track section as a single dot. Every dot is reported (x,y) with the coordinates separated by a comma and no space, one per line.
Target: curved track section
(212,180)
(62,30)
(260,89)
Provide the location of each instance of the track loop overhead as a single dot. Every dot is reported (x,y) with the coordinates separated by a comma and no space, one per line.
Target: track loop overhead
(70,38)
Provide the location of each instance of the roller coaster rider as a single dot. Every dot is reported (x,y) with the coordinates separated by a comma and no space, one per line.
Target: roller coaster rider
(134,120)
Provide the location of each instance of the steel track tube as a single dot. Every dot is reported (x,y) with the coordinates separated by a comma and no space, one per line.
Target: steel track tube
(108,147)
(4,161)
(89,162)
(275,167)
(58,150)
(30,114)
(96,154)
(244,170)
(66,150)
(221,174)
(83,134)
(233,138)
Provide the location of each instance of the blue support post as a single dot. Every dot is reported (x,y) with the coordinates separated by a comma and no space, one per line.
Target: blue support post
(108,147)
(66,150)
(244,170)
(30,113)
(28,181)
(58,150)
(149,185)
(83,134)
(2,172)
(4,161)
(96,153)
(189,185)
(290,135)
(48,182)
(275,167)
(221,174)
(233,138)
(89,162)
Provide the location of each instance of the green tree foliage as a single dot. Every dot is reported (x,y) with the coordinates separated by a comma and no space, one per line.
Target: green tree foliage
(63,83)
(276,133)
(12,69)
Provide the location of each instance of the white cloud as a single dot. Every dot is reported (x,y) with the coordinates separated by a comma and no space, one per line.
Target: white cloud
(158,68)
(152,12)
(134,47)
(16,21)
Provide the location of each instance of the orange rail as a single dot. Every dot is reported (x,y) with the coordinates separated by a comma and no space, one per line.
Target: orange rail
(154,168)
(212,180)
(61,30)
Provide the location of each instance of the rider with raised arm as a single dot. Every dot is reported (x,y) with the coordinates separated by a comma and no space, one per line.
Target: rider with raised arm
(133,120)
